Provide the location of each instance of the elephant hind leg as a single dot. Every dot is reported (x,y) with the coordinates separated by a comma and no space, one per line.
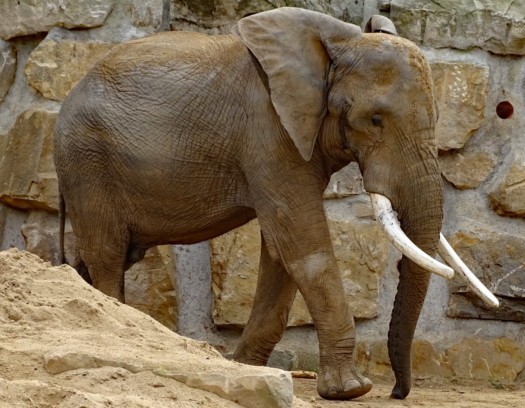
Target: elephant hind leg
(273,300)
(106,262)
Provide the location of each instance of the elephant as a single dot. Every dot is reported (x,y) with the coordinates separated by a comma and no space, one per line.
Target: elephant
(179,137)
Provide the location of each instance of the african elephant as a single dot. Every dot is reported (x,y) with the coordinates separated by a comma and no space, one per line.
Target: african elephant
(180,137)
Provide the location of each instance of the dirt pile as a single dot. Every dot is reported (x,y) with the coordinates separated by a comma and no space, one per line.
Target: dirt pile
(64,344)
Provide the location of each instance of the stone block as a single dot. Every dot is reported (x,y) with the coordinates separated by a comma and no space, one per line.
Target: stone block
(461,93)
(27,173)
(41,236)
(346,182)
(498,27)
(467,170)
(31,17)
(498,260)
(284,359)
(54,67)
(508,195)
(148,286)
(214,16)
(7,68)
(359,245)
(498,360)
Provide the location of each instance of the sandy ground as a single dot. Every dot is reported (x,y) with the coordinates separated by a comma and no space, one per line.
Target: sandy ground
(427,393)
(64,344)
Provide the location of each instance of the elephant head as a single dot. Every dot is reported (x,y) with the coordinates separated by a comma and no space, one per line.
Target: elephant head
(343,95)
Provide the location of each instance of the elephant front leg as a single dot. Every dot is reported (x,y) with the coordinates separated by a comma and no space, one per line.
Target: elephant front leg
(273,300)
(320,284)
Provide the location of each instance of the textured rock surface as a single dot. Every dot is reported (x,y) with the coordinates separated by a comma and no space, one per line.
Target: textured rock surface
(496,258)
(7,67)
(508,196)
(30,17)
(461,93)
(495,26)
(214,16)
(467,170)
(499,360)
(27,174)
(346,182)
(55,67)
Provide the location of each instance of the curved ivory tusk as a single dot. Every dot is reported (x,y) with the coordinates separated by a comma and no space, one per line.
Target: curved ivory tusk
(450,256)
(388,221)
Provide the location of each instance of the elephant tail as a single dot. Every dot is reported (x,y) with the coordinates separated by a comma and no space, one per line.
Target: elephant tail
(62,222)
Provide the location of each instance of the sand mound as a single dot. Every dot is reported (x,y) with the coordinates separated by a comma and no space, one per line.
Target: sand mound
(65,344)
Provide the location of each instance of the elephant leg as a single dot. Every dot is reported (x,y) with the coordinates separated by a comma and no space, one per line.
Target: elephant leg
(300,238)
(105,257)
(273,300)
(320,284)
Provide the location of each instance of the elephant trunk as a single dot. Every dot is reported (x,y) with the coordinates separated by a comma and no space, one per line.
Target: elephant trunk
(420,210)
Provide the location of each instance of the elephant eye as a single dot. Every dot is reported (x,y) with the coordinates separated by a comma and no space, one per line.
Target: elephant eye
(377,120)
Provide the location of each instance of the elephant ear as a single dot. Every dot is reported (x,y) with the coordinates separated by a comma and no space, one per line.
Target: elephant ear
(380,24)
(294,49)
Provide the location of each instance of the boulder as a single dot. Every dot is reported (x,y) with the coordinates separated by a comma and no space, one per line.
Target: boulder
(467,170)
(496,258)
(494,26)
(27,173)
(7,68)
(461,94)
(31,17)
(54,67)
(214,16)
(508,194)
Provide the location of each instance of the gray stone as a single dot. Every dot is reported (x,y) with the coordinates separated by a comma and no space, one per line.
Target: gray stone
(346,182)
(35,16)
(461,93)
(214,16)
(259,390)
(508,195)
(11,223)
(498,27)
(468,169)
(21,96)
(27,172)
(283,359)
(498,260)
(192,281)
(40,233)
(7,67)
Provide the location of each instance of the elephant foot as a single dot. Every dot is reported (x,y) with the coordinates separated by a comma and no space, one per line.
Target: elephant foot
(246,355)
(334,386)
(400,390)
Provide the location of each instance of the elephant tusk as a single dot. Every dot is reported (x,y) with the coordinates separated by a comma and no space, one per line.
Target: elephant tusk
(450,256)
(389,223)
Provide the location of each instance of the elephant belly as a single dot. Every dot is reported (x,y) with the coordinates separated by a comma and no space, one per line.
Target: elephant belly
(189,208)
(188,227)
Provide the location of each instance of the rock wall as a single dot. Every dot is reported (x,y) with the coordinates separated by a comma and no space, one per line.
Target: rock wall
(476,51)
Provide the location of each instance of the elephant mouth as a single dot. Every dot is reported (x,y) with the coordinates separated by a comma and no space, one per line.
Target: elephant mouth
(384,213)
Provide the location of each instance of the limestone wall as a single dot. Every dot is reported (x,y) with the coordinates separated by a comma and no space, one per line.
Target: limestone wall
(476,51)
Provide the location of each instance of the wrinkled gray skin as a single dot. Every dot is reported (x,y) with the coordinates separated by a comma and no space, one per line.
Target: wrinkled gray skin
(180,137)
